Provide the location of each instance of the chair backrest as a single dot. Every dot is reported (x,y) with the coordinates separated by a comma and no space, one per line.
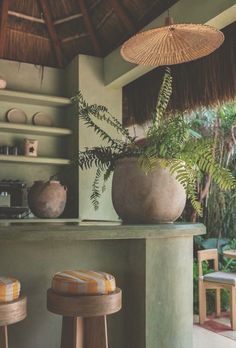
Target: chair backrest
(205,255)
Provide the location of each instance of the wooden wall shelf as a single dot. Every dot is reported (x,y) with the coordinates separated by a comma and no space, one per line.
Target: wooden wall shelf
(60,221)
(34,160)
(31,129)
(56,144)
(32,98)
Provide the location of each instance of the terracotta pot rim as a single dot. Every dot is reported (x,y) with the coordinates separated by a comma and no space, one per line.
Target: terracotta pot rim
(127,159)
(48,181)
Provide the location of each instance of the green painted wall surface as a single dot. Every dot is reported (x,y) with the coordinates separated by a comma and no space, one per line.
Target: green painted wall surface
(94,91)
(35,79)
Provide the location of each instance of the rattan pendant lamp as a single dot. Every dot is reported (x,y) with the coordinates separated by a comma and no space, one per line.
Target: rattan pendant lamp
(172,44)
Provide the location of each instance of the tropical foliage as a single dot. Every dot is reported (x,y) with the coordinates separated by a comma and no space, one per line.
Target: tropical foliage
(219,213)
(169,143)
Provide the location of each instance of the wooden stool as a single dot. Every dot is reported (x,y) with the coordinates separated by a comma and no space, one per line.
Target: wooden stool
(10,313)
(84,317)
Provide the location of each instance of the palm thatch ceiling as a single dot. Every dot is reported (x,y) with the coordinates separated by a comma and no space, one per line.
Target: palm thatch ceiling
(206,82)
(53,32)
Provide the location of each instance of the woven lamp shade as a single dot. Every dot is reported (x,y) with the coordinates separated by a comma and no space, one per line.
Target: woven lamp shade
(172,44)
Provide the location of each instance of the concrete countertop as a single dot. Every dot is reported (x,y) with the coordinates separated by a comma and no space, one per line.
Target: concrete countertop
(85,231)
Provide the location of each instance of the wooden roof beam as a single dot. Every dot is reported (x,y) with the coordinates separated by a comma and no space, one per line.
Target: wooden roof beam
(95,4)
(90,28)
(41,20)
(52,32)
(74,37)
(105,18)
(26,33)
(125,19)
(68,19)
(23,16)
(3,25)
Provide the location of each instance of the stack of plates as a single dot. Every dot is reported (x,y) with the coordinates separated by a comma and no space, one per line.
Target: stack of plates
(9,289)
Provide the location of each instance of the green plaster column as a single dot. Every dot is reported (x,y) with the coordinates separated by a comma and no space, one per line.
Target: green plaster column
(169,293)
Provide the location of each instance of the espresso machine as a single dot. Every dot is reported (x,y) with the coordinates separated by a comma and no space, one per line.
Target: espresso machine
(13,199)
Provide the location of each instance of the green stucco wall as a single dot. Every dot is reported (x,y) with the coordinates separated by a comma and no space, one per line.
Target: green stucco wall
(92,86)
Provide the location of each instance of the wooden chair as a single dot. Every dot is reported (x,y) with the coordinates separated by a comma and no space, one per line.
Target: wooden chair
(84,317)
(10,313)
(217,281)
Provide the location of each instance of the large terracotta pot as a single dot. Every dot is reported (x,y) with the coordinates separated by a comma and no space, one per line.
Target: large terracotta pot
(140,198)
(47,199)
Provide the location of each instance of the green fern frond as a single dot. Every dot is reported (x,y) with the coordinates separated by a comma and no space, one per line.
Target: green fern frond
(187,176)
(184,174)
(222,176)
(164,96)
(95,190)
(148,163)
(200,153)
(101,113)
(107,174)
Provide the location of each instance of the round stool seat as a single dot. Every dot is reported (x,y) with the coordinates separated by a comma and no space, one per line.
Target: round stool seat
(83,282)
(84,306)
(9,289)
(13,312)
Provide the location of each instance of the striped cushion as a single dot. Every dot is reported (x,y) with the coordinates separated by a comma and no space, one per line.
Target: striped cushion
(9,289)
(83,282)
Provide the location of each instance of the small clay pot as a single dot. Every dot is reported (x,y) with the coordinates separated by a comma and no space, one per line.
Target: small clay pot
(47,199)
(31,147)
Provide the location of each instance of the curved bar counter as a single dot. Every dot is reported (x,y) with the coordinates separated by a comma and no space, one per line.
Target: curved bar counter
(152,265)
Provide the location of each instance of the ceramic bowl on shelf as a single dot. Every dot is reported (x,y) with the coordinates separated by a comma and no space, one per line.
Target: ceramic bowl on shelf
(16,116)
(42,119)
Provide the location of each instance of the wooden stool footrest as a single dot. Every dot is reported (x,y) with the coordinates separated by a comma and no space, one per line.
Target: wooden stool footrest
(84,306)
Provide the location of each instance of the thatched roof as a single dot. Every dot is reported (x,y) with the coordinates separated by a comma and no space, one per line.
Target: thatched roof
(52,32)
(208,82)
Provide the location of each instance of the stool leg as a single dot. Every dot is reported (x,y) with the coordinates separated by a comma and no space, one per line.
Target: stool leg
(72,333)
(218,303)
(3,337)
(233,308)
(96,332)
(202,302)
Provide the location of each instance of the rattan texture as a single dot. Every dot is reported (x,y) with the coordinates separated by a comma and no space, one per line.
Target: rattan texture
(173,44)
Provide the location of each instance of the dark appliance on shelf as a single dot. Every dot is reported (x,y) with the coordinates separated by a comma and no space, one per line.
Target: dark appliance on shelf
(13,199)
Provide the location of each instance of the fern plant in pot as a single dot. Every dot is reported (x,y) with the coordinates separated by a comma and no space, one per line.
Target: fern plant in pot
(151,178)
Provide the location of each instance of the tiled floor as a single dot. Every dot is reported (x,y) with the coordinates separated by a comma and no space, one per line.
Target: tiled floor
(203,338)
(215,333)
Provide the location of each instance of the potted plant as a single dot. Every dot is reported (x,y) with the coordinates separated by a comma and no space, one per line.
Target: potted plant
(152,178)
